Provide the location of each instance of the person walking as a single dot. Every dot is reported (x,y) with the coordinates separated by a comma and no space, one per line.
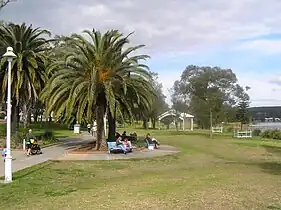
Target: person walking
(89,128)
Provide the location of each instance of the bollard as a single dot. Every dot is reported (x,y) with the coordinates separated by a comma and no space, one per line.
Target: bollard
(23,144)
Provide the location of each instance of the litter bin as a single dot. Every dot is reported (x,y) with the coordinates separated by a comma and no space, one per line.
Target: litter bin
(76,128)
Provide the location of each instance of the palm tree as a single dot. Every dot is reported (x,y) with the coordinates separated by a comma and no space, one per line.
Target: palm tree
(139,93)
(28,71)
(94,77)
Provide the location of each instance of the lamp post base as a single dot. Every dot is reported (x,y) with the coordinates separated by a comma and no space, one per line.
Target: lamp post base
(8,169)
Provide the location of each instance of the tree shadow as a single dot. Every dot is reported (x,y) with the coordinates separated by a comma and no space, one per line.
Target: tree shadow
(272,149)
(30,170)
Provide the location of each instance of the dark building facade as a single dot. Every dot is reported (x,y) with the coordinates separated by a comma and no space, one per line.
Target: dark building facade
(263,114)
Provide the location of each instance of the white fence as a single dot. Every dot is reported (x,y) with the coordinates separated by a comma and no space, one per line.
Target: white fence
(243,134)
(217,129)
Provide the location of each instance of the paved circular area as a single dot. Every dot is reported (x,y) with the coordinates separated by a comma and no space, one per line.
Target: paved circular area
(162,151)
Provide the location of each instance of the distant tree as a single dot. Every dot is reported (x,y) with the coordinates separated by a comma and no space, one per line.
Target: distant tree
(159,106)
(4,3)
(242,114)
(28,68)
(207,90)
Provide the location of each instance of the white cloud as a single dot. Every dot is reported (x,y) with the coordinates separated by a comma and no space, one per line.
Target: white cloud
(263,91)
(167,81)
(262,46)
(166,27)
(162,25)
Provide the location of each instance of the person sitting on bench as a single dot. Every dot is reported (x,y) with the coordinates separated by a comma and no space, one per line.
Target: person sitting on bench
(151,140)
(124,134)
(119,144)
(127,145)
(117,135)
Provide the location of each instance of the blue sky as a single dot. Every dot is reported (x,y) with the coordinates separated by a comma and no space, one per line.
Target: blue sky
(244,35)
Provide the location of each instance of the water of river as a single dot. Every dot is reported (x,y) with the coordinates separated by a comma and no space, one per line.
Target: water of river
(267,125)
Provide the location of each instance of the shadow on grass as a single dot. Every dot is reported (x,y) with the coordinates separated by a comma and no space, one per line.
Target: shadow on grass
(274,206)
(272,149)
(61,136)
(33,169)
(273,168)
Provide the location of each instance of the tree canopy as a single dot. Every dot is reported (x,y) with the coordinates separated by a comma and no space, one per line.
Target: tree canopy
(207,89)
(98,76)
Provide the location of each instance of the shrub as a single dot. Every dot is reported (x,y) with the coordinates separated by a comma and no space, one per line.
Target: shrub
(271,134)
(229,129)
(47,136)
(256,132)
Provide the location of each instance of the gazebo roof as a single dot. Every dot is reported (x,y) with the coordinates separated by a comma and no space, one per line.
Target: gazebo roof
(172,112)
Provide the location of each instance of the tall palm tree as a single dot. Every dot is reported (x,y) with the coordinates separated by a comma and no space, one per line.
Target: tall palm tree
(92,77)
(139,93)
(28,70)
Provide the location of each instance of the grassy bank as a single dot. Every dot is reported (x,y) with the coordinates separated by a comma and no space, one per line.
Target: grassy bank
(220,173)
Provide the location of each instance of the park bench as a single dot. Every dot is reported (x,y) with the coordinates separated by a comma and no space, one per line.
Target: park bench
(114,148)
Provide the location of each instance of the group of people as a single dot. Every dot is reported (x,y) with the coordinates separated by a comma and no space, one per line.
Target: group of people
(92,129)
(123,142)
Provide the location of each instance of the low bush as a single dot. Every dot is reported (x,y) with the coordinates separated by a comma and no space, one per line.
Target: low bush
(229,129)
(16,141)
(271,134)
(256,132)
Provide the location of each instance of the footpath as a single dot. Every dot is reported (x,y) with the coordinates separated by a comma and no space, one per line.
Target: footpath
(49,153)
(61,152)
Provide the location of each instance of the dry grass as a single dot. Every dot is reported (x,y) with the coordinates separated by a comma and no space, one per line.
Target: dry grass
(219,173)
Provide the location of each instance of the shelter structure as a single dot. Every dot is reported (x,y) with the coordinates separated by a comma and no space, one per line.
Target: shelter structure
(181,116)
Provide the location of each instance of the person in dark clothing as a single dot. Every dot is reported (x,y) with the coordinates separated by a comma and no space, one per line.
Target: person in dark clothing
(28,142)
(124,134)
(151,140)
(117,135)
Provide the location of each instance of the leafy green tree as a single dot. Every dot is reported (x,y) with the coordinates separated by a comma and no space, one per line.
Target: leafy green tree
(159,105)
(95,76)
(242,114)
(28,69)
(207,91)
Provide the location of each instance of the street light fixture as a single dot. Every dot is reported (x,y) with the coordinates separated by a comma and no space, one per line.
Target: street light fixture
(8,159)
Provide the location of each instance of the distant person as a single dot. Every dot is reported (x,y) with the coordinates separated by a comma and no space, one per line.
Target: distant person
(124,134)
(94,130)
(151,140)
(117,135)
(28,141)
(119,144)
(89,128)
(4,152)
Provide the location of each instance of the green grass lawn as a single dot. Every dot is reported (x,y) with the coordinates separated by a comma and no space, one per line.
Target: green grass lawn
(220,173)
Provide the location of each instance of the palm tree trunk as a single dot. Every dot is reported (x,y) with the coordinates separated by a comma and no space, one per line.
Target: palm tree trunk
(101,141)
(153,123)
(111,125)
(145,124)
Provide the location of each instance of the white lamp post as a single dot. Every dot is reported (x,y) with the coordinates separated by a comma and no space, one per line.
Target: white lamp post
(8,159)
